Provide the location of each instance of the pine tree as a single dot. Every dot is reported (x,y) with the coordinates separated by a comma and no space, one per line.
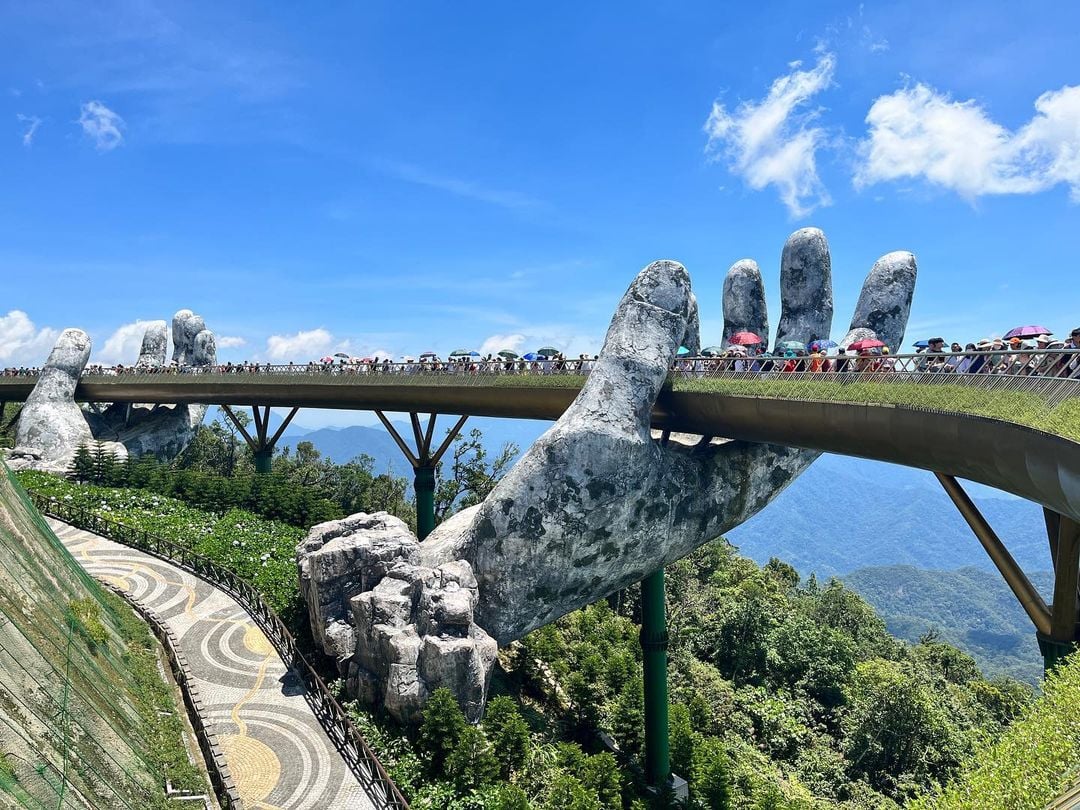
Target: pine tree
(681,741)
(472,763)
(508,733)
(600,774)
(82,465)
(441,729)
(628,718)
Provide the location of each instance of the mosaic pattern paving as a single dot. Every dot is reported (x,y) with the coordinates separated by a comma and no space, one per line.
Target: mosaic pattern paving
(277,752)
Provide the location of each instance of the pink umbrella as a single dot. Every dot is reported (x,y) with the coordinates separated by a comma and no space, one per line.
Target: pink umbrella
(744,339)
(1027,331)
(327,359)
(869,343)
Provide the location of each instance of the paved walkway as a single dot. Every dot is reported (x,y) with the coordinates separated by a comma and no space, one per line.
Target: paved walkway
(277,752)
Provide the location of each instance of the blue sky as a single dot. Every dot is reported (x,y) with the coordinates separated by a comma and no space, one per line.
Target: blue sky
(384,177)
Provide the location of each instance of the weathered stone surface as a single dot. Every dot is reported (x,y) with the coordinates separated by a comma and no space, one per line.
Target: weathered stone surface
(885,303)
(597,503)
(51,423)
(744,301)
(155,343)
(412,627)
(805,287)
(58,425)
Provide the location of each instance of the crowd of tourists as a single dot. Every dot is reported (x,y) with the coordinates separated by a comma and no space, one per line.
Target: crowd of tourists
(1039,355)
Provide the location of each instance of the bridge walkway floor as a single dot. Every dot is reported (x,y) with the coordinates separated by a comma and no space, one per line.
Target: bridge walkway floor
(276,750)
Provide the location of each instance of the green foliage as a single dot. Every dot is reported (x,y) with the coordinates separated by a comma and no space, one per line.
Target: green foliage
(472,763)
(1035,760)
(508,733)
(970,606)
(468,478)
(260,550)
(84,616)
(784,695)
(441,730)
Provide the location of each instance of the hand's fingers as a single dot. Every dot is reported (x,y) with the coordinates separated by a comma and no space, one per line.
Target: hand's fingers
(642,340)
(885,301)
(65,365)
(692,339)
(204,352)
(744,301)
(185,326)
(154,344)
(805,288)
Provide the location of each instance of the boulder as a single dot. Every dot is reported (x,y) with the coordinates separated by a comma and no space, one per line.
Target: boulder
(398,630)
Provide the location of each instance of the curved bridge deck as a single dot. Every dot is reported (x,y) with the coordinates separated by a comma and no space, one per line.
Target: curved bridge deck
(276,750)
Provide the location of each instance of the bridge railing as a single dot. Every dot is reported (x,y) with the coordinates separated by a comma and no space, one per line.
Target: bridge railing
(335,720)
(1021,385)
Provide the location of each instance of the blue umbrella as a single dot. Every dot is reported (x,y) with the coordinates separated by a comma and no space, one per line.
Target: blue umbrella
(531,356)
(921,344)
(818,345)
(474,354)
(683,351)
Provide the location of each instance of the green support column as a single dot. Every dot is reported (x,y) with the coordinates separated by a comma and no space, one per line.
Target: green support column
(424,484)
(654,643)
(1053,652)
(264,458)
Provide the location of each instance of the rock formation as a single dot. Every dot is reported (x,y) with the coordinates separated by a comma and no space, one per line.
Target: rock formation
(52,426)
(399,630)
(596,503)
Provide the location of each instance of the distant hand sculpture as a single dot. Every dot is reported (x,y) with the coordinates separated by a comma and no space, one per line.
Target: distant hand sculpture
(595,505)
(52,425)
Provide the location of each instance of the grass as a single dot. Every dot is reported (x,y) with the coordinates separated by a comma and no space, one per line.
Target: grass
(1020,407)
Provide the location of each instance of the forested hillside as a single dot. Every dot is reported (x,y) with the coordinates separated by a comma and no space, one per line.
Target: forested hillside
(970,607)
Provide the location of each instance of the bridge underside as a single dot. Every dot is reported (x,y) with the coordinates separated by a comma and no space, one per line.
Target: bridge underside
(1037,466)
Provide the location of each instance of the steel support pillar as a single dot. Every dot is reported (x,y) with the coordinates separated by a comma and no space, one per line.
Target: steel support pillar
(424,486)
(654,644)
(423,461)
(261,444)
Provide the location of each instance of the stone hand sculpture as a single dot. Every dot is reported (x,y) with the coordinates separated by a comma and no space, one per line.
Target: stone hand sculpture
(52,425)
(595,505)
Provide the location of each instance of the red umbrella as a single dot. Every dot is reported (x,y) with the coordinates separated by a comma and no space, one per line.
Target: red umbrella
(744,339)
(868,343)
(1027,331)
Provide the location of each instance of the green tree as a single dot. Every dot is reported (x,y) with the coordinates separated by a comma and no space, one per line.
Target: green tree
(511,797)
(600,774)
(508,733)
(567,793)
(441,729)
(711,781)
(470,477)
(681,741)
(472,763)
(628,718)
(82,465)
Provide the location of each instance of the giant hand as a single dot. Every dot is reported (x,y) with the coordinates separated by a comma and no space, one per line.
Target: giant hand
(597,503)
(52,426)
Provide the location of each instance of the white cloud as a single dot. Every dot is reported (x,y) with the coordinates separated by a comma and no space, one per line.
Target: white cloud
(301,347)
(497,343)
(774,141)
(920,133)
(123,345)
(32,123)
(22,343)
(229,342)
(102,125)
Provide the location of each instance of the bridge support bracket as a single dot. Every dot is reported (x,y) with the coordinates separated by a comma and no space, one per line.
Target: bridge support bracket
(423,461)
(261,444)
